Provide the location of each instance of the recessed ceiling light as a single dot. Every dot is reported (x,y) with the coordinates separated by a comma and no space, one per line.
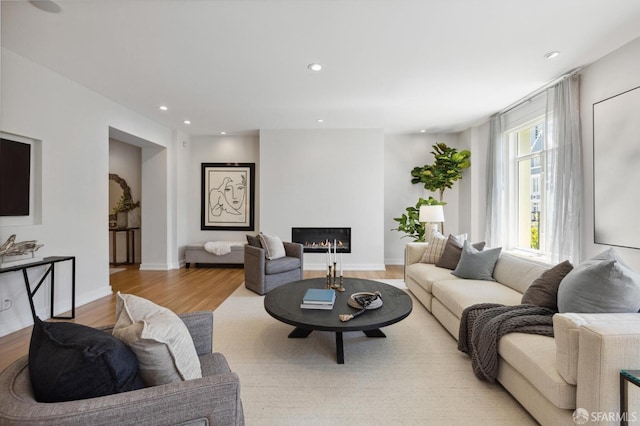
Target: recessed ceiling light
(314,67)
(46,5)
(163,107)
(187,122)
(423,130)
(320,120)
(223,133)
(551,55)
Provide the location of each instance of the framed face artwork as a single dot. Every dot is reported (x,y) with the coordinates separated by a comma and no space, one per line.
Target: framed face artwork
(228,196)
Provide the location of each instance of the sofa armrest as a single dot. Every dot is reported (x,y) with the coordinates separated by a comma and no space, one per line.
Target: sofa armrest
(293,249)
(254,263)
(605,349)
(413,252)
(566,328)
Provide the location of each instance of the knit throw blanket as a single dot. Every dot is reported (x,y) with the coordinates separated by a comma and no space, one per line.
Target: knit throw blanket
(482,326)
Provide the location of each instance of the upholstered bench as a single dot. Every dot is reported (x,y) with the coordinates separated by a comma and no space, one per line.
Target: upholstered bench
(198,255)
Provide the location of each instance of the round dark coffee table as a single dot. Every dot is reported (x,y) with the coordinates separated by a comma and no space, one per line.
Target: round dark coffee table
(283,303)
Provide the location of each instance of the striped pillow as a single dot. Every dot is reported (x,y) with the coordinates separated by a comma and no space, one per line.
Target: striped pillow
(437,243)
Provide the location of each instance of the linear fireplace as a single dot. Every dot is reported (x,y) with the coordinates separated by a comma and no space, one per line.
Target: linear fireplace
(316,240)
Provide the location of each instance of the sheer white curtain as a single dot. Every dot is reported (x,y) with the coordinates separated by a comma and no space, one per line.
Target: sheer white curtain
(496,226)
(563,163)
(560,219)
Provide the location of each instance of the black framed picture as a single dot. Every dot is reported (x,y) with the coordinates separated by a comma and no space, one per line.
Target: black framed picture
(228,191)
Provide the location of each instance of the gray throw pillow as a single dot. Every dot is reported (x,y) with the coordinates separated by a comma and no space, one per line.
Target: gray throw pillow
(452,251)
(254,241)
(475,264)
(599,285)
(543,291)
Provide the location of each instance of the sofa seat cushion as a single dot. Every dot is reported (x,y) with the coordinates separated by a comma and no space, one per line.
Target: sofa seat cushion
(426,274)
(282,264)
(533,356)
(457,294)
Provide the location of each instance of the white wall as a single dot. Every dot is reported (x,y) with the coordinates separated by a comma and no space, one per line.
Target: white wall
(473,187)
(215,149)
(401,154)
(73,124)
(325,178)
(609,76)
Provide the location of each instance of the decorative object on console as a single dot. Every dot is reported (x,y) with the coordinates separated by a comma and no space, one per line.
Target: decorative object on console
(18,252)
(124,205)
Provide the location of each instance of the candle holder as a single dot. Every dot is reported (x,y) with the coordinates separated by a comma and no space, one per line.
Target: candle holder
(333,281)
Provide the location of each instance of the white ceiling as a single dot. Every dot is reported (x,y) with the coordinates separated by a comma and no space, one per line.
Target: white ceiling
(239,66)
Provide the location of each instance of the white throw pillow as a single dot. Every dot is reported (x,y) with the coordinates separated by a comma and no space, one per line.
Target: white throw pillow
(159,338)
(273,246)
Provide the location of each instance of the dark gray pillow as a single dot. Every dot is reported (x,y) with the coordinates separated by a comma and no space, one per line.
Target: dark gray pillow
(475,264)
(599,285)
(254,240)
(69,361)
(543,291)
(452,251)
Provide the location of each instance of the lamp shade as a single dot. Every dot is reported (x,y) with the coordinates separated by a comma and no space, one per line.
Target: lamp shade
(431,214)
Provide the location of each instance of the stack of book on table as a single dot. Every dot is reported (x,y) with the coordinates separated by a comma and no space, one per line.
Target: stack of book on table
(318,298)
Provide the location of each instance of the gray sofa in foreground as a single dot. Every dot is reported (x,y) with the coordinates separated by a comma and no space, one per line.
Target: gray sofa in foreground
(213,399)
(551,377)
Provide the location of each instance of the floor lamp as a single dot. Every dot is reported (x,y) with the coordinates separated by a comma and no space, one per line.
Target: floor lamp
(433,215)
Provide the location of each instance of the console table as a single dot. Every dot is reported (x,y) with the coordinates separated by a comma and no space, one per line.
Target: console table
(50,263)
(131,245)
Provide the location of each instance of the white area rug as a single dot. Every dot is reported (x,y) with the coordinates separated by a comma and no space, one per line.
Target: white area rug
(415,376)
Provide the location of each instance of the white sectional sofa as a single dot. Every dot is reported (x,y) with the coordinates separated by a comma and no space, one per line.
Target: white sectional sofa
(551,377)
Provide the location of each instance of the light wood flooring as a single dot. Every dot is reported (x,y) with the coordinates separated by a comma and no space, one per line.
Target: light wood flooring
(182,290)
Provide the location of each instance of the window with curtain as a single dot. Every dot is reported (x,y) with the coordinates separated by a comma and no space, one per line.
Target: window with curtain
(534,175)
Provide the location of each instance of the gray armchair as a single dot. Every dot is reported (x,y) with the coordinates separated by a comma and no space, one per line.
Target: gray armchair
(262,275)
(213,399)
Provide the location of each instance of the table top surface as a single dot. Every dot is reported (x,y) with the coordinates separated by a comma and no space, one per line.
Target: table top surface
(37,262)
(283,303)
